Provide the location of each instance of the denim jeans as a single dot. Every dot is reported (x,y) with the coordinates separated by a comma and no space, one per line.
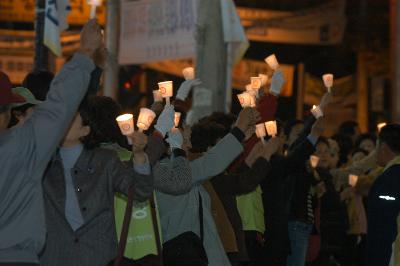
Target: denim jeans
(299,234)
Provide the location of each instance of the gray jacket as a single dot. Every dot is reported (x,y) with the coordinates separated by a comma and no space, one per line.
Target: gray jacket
(97,174)
(24,153)
(179,214)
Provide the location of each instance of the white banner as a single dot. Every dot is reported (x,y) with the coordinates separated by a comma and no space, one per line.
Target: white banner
(322,25)
(155,30)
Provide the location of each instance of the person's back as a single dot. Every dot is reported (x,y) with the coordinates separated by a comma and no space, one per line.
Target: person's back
(26,149)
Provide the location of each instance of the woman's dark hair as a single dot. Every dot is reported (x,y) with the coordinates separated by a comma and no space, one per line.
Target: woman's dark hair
(225,120)
(390,134)
(205,135)
(291,124)
(38,82)
(99,113)
(359,150)
(347,128)
(345,145)
(366,136)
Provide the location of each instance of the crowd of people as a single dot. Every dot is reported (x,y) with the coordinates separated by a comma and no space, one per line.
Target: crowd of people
(223,196)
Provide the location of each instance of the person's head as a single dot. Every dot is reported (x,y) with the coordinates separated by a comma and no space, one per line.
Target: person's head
(350,129)
(95,123)
(7,99)
(20,112)
(366,142)
(225,120)
(345,147)
(38,82)
(205,135)
(358,154)
(388,144)
(292,131)
(323,152)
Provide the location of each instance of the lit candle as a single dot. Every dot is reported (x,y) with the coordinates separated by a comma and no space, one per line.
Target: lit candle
(328,81)
(93,5)
(188,73)
(177,119)
(157,96)
(146,117)
(260,132)
(166,89)
(246,100)
(380,126)
(272,62)
(264,79)
(255,83)
(317,112)
(272,130)
(125,123)
(353,180)
(314,160)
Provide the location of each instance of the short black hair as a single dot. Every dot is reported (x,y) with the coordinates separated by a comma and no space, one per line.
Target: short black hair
(291,124)
(365,136)
(225,120)
(99,113)
(206,134)
(38,82)
(359,150)
(345,145)
(390,134)
(348,128)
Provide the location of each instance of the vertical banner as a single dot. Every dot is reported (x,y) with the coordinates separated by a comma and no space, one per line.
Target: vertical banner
(155,30)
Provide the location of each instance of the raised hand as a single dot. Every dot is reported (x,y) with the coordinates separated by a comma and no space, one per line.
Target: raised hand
(186,87)
(91,39)
(248,118)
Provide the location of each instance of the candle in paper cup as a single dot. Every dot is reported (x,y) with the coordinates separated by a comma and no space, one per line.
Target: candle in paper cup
(328,81)
(255,83)
(316,111)
(272,62)
(146,117)
(246,100)
(157,96)
(93,5)
(166,89)
(260,132)
(177,118)
(125,123)
(188,73)
(314,160)
(353,180)
(264,79)
(250,90)
(380,126)
(272,130)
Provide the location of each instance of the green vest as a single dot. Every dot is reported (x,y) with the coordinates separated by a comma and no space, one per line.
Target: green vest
(141,236)
(251,211)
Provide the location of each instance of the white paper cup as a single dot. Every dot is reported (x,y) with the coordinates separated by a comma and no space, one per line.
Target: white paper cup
(177,118)
(380,126)
(353,180)
(125,123)
(157,96)
(314,160)
(188,73)
(246,100)
(272,62)
(166,88)
(260,131)
(328,80)
(264,79)
(255,83)
(272,130)
(317,112)
(146,117)
(93,5)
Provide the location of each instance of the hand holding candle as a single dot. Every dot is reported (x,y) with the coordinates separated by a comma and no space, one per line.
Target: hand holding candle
(317,112)
(157,96)
(353,180)
(246,99)
(255,83)
(139,142)
(380,126)
(328,81)
(247,118)
(264,79)
(188,73)
(177,119)
(272,129)
(272,62)
(93,5)
(166,120)
(145,119)
(125,123)
(167,90)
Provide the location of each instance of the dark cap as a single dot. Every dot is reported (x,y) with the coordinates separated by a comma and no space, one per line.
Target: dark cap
(6,95)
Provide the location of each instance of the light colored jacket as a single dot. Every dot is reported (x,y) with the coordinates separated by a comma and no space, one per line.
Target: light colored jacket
(179,214)
(24,153)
